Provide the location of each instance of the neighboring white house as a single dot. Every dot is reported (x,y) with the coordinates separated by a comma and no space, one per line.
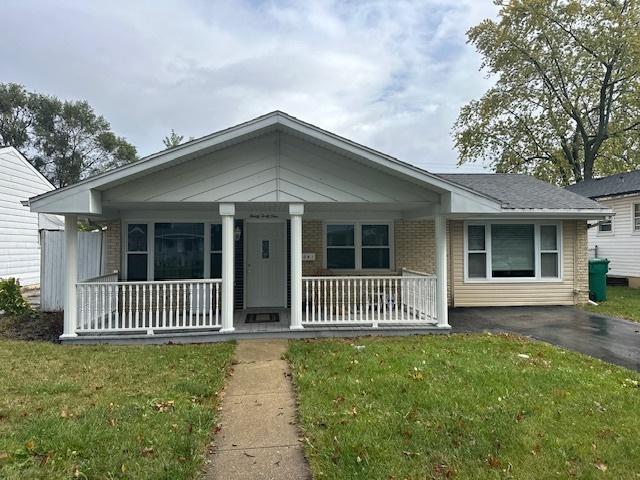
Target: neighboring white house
(279,222)
(19,227)
(619,238)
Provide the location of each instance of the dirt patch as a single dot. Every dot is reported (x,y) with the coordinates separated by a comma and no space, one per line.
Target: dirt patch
(46,327)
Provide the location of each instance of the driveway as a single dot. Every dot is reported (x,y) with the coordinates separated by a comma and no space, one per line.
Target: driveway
(610,339)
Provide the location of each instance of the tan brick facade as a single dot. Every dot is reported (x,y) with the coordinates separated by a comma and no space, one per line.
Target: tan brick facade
(415,245)
(312,243)
(112,240)
(581,263)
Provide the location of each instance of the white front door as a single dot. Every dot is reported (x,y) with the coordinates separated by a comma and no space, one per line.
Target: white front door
(266,262)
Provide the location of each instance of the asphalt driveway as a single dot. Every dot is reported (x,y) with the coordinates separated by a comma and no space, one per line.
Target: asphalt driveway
(610,339)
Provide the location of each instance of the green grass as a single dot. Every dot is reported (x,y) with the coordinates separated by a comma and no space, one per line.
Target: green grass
(143,412)
(622,302)
(464,406)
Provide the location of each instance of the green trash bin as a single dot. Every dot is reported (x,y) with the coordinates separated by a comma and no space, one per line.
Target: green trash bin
(598,268)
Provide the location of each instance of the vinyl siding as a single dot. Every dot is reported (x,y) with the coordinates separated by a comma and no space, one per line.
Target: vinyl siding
(481,294)
(19,241)
(622,247)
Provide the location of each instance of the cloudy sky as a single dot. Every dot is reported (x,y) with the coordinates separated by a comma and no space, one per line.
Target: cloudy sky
(390,74)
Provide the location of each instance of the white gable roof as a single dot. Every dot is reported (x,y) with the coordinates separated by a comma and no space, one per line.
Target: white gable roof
(86,197)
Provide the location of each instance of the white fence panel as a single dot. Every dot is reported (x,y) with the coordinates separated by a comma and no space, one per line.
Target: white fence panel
(91,263)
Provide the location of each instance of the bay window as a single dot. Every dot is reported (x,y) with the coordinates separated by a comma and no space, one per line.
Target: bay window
(358,246)
(510,250)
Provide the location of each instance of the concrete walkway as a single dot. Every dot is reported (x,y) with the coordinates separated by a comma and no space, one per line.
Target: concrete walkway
(610,339)
(258,437)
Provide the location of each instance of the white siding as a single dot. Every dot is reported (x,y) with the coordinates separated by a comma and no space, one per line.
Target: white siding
(19,243)
(622,247)
(269,168)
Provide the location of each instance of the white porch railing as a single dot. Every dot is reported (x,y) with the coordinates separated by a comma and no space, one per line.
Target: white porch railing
(341,300)
(106,305)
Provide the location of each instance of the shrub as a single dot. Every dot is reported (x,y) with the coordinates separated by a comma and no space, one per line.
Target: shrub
(11,300)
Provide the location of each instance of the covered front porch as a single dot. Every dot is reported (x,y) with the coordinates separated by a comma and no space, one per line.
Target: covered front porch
(260,277)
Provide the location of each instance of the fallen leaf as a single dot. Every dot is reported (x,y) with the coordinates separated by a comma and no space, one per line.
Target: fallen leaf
(601,466)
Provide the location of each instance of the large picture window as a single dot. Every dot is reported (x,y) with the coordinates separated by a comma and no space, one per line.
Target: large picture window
(503,251)
(179,251)
(358,246)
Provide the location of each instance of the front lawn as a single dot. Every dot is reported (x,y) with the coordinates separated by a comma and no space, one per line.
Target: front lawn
(622,302)
(464,406)
(141,412)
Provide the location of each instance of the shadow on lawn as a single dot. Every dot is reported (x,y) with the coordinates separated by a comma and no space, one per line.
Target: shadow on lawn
(40,326)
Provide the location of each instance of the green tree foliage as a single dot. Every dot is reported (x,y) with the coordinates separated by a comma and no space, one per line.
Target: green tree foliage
(173,139)
(65,140)
(566,102)
(15,115)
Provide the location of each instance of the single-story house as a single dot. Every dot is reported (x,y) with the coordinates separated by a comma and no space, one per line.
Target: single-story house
(276,224)
(19,227)
(617,238)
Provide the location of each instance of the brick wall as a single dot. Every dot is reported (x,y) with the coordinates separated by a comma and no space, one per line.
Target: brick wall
(415,245)
(112,238)
(312,243)
(581,265)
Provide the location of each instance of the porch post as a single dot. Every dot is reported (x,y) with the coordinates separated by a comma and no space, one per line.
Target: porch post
(295,211)
(71,275)
(227,212)
(441,270)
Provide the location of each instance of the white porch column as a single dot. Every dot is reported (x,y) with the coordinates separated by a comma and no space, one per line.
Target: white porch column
(71,275)
(295,211)
(441,270)
(227,212)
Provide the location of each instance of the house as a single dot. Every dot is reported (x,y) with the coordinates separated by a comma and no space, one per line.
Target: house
(617,238)
(276,224)
(19,227)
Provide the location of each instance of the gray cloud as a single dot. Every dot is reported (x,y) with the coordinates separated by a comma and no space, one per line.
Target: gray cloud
(389,74)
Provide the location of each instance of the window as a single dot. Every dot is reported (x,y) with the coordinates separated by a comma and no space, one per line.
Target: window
(636,217)
(549,253)
(216,251)
(512,250)
(341,249)
(375,246)
(137,251)
(605,226)
(355,246)
(477,251)
(179,250)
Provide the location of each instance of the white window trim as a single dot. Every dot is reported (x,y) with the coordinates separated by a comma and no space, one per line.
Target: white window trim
(634,230)
(538,278)
(151,244)
(606,234)
(358,245)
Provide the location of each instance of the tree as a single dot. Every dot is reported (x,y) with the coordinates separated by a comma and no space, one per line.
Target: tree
(65,140)
(15,115)
(73,142)
(173,139)
(566,102)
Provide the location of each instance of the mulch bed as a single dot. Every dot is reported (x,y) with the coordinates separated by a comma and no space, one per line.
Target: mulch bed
(41,326)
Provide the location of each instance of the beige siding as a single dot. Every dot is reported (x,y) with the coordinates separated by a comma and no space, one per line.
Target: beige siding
(527,293)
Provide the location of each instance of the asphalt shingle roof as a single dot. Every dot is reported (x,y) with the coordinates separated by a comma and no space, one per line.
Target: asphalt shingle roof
(521,191)
(618,184)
